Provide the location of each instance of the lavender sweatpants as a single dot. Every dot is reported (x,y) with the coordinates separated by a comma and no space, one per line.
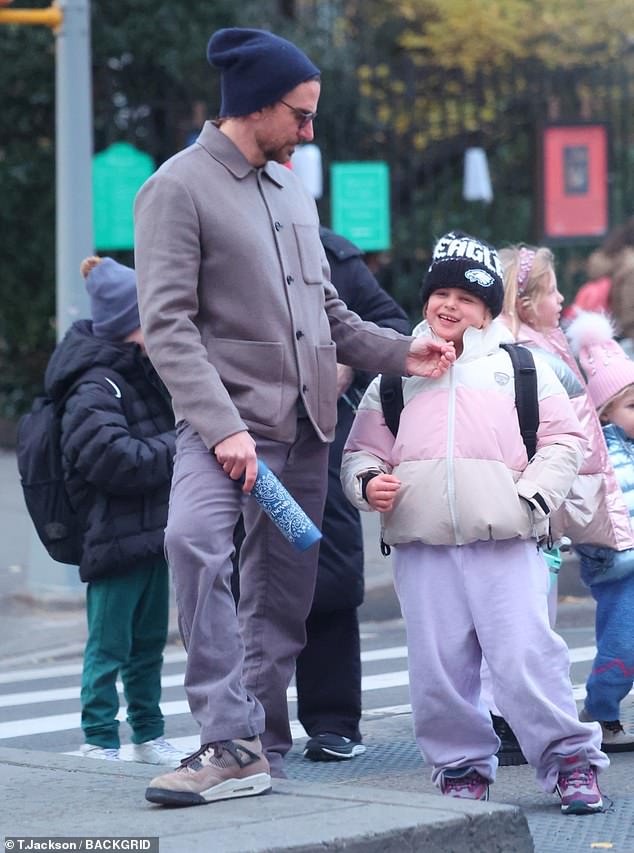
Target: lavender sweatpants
(488,598)
(486,687)
(240,665)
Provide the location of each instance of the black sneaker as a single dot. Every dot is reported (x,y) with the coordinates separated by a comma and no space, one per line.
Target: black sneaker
(329,747)
(510,752)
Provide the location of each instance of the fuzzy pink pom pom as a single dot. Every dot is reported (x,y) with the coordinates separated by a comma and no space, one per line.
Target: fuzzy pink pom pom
(588,329)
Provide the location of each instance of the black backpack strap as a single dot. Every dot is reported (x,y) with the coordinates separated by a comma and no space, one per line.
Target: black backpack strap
(526,397)
(391,392)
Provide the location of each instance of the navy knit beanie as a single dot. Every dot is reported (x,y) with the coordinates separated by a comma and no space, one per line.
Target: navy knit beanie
(258,68)
(460,260)
(113,300)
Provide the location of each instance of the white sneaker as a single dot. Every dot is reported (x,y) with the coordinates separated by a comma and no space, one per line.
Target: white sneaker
(89,750)
(157,751)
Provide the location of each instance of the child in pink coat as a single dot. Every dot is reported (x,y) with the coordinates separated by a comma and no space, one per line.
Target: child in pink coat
(464,510)
(594,511)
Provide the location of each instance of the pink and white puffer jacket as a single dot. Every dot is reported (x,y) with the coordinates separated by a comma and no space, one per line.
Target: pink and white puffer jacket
(594,512)
(459,452)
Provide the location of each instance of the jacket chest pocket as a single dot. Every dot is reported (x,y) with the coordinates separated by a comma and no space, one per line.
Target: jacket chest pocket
(308,249)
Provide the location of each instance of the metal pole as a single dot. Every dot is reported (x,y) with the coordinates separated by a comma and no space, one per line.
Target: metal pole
(73,155)
(70,20)
(74,232)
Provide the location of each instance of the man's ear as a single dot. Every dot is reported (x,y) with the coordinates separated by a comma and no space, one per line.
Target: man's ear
(258,115)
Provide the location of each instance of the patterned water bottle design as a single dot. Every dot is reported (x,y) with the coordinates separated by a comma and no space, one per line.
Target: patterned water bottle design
(283,509)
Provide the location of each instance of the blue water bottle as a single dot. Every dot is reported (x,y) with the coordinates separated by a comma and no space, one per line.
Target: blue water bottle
(282,508)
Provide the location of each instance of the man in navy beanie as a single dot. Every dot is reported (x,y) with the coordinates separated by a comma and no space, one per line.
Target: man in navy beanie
(245,329)
(258,68)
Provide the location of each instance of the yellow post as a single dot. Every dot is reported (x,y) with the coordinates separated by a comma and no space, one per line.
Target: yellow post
(51,17)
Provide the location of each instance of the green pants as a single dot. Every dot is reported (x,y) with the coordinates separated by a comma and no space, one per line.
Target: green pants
(127,631)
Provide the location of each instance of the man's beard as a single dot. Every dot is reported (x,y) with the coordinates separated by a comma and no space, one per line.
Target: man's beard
(279,154)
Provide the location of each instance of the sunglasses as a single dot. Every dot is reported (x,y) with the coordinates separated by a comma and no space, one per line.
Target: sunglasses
(303,117)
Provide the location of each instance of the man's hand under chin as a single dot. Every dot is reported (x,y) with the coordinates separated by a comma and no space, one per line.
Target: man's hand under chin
(429,358)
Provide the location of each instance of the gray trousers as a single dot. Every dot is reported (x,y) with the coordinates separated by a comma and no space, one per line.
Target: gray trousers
(239,665)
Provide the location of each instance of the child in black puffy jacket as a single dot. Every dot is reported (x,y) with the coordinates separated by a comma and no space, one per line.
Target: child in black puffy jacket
(117,449)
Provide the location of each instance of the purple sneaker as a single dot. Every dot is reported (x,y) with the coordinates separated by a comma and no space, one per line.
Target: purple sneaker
(579,791)
(464,782)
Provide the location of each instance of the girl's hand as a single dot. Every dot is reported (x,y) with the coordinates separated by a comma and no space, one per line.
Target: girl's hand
(381,492)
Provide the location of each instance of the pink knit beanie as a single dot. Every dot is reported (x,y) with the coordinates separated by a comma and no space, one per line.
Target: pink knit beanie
(607,368)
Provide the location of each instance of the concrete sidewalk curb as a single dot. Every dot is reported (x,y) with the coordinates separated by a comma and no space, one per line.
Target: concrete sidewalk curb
(59,795)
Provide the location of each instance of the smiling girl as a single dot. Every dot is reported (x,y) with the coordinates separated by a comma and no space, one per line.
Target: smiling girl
(463,509)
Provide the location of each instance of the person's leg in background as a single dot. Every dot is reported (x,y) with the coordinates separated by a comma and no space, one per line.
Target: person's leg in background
(110,604)
(141,674)
(328,670)
(328,678)
(613,669)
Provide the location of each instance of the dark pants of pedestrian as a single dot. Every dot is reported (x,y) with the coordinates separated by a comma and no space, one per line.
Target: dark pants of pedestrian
(239,665)
(328,670)
(328,675)
(127,630)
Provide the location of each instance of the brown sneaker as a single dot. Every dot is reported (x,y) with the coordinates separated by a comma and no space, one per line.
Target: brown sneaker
(218,771)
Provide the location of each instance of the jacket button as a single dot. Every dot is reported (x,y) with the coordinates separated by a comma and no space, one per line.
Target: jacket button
(304,388)
(299,334)
(289,279)
(278,226)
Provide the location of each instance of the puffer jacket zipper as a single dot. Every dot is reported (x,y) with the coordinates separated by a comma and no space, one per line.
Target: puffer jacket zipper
(451,435)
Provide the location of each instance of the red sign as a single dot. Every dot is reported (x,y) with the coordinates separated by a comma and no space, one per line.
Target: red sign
(575,188)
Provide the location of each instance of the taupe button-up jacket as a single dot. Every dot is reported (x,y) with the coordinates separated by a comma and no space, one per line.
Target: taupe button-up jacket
(239,316)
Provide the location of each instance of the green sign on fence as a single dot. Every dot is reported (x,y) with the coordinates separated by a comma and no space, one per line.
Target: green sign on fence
(360,203)
(117,175)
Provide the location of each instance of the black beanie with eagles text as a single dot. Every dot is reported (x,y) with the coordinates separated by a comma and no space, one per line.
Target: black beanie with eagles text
(460,260)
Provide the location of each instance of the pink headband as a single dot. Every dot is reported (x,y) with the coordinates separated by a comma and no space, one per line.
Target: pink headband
(527,257)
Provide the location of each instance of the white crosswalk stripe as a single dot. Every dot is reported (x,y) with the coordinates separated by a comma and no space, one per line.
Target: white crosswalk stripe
(37,705)
(33,697)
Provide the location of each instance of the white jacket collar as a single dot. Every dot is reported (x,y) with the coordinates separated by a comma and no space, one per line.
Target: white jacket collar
(476,342)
